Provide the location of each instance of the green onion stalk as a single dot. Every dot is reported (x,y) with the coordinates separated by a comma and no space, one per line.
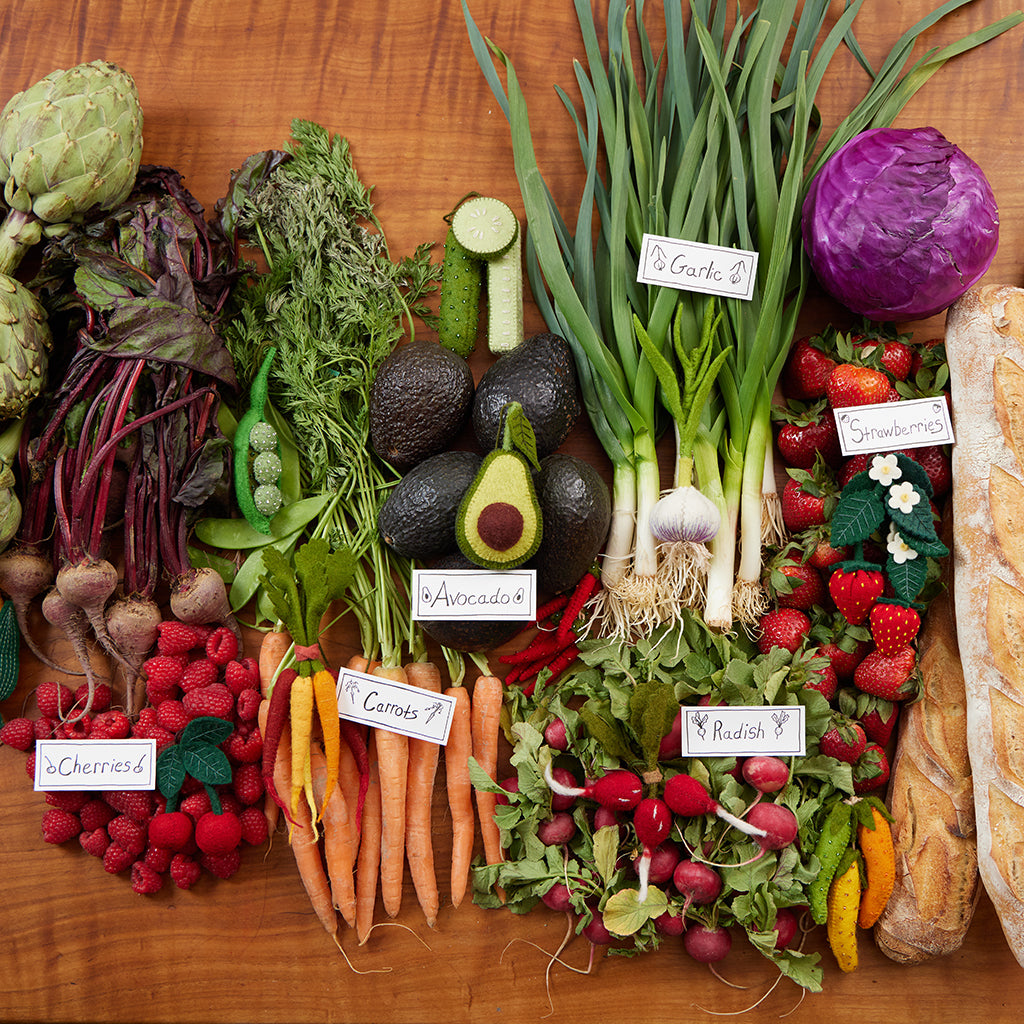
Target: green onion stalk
(717,142)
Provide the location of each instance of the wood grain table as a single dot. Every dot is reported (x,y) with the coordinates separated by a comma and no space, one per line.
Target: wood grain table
(219,80)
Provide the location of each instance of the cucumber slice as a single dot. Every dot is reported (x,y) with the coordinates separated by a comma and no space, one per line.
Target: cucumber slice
(505,299)
(485,227)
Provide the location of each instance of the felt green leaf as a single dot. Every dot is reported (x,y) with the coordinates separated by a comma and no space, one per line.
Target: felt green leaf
(907,578)
(10,645)
(857,515)
(624,914)
(207,763)
(170,771)
(915,473)
(652,709)
(917,523)
(518,434)
(279,582)
(606,731)
(205,729)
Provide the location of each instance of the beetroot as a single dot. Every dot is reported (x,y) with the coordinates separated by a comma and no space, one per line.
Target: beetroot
(199,597)
(25,573)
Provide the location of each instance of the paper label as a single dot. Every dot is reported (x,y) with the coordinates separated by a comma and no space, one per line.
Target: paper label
(95,764)
(741,731)
(397,707)
(893,426)
(697,267)
(474,594)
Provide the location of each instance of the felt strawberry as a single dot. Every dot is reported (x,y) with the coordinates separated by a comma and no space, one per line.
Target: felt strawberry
(855,587)
(783,627)
(849,384)
(807,370)
(844,740)
(893,625)
(871,772)
(887,676)
(60,826)
(807,434)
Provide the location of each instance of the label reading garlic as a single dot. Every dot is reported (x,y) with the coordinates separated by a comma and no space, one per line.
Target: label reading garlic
(697,267)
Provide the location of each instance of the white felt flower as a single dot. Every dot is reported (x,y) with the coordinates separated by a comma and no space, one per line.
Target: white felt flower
(900,550)
(904,496)
(885,469)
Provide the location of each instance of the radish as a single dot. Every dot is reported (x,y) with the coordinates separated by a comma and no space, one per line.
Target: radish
(557,830)
(72,622)
(670,924)
(199,597)
(672,742)
(617,789)
(561,801)
(787,924)
(766,774)
(605,817)
(596,933)
(707,943)
(510,785)
(688,798)
(697,882)
(663,861)
(652,821)
(777,824)
(558,897)
(555,735)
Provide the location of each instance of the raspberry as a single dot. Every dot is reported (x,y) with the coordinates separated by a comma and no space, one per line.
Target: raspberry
(242,675)
(76,729)
(247,705)
(185,871)
(214,700)
(129,835)
(195,805)
(59,826)
(96,814)
(111,725)
(151,729)
(43,728)
(163,677)
(222,646)
(30,765)
(176,637)
(117,859)
(171,830)
(145,881)
(255,830)
(19,733)
(172,716)
(229,803)
(199,673)
(158,858)
(222,865)
(244,746)
(53,699)
(94,841)
(248,783)
(136,803)
(101,697)
(67,800)
(218,833)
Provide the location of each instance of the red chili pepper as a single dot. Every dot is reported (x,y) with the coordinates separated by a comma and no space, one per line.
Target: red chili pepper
(581,594)
(556,666)
(545,611)
(543,645)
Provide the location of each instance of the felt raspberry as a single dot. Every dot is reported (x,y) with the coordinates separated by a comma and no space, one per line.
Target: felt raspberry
(887,676)
(248,783)
(172,716)
(255,830)
(54,700)
(129,835)
(175,637)
(185,871)
(218,833)
(247,705)
(136,803)
(101,697)
(19,733)
(222,865)
(893,625)
(67,800)
(242,675)
(96,813)
(871,772)
(145,881)
(222,646)
(117,859)
(60,826)
(783,627)
(158,858)
(79,728)
(95,841)
(171,830)
(844,740)
(199,673)
(195,805)
(163,677)
(855,587)
(244,745)
(214,700)
(111,725)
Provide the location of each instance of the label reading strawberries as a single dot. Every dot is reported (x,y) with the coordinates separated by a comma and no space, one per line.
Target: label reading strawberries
(885,426)
(386,704)
(95,764)
(741,731)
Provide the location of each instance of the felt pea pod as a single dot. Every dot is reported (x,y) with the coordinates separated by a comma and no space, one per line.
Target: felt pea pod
(255,506)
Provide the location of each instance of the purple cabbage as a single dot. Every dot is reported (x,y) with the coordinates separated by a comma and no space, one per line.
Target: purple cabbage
(899,223)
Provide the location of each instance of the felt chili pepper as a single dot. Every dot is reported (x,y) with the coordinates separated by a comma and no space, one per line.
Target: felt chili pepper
(253,415)
(543,645)
(580,596)
(556,667)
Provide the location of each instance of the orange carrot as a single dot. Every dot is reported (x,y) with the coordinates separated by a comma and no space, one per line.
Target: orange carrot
(351,784)
(393,765)
(368,860)
(339,849)
(357,663)
(423,758)
(273,648)
(460,791)
(325,694)
(486,714)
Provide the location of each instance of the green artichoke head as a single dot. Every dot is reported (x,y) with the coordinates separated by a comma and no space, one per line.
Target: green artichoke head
(71,142)
(25,343)
(10,507)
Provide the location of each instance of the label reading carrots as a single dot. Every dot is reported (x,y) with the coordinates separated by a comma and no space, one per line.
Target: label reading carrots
(397,707)
(462,594)
(95,764)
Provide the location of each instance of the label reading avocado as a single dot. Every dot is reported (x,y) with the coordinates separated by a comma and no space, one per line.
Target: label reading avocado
(474,594)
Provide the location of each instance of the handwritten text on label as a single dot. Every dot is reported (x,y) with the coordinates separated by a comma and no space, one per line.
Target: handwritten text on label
(397,707)
(95,764)
(696,267)
(474,594)
(891,426)
(742,731)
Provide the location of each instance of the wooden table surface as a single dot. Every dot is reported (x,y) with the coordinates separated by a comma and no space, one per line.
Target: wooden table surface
(218,81)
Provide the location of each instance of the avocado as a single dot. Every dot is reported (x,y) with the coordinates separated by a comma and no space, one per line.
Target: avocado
(417,519)
(576,506)
(468,634)
(420,400)
(540,374)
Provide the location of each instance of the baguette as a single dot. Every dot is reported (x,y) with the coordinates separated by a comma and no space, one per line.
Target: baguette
(985,348)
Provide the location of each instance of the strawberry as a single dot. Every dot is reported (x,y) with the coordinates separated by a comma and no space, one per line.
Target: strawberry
(844,740)
(893,625)
(96,813)
(145,881)
(808,435)
(807,370)
(783,627)
(222,865)
(849,384)
(887,676)
(936,463)
(128,834)
(222,646)
(244,745)
(844,655)
(101,697)
(136,803)
(163,677)
(54,700)
(894,356)
(111,725)
(242,675)
(871,771)
(247,783)
(177,637)
(184,871)
(825,681)
(117,859)
(214,700)
(60,826)
(824,556)
(94,841)
(805,503)
(880,721)
(247,705)
(852,466)
(218,833)
(172,830)
(19,733)
(855,587)
(199,673)
(255,831)
(805,587)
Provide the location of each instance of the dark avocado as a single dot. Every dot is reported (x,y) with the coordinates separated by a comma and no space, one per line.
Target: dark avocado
(540,374)
(468,634)
(577,508)
(417,520)
(420,400)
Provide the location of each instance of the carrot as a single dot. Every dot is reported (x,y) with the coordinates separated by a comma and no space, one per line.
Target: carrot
(486,718)
(273,648)
(357,663)
(423,758)
(305,848)
(325,694)
(460,791)
(393,765)
(339,848)
(841,923)
(876,848)
(270,809)
(368,860)
(350,781)
(275,734)
(301,708)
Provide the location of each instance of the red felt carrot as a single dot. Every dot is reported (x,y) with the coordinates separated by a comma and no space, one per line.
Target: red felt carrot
(277,718)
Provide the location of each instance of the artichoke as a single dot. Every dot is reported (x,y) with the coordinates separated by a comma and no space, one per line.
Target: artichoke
(25,343)
(69,143)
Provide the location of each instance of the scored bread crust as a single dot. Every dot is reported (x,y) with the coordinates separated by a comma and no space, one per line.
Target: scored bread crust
(985,348)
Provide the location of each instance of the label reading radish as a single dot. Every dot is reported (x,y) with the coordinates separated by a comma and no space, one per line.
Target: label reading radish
(888,426)
(697,267)
(474,594)
(741,731)
(386,704)
(95,764)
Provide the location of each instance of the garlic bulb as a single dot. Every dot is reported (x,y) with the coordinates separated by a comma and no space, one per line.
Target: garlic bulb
(685,514)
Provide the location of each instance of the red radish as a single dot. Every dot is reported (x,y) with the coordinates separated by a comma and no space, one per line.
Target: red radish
(617,789)
(663,860)
(698,882)
(670,924)
(561,801)
(558,898)
(200,597)
(707,943)
(777,824)
(766,774)
(652,820)
(557,830)
(72,622)
(787,924)
(555,734)
(672,742)
(687,797)
(595,932)
(605,817)
(510,785)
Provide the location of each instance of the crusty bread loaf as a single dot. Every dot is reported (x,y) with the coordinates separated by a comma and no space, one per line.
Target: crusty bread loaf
(985,346)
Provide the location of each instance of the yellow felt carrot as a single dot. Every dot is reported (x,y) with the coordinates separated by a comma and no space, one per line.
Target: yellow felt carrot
(876,847)
(841,923)
(301,715)
(325,694)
